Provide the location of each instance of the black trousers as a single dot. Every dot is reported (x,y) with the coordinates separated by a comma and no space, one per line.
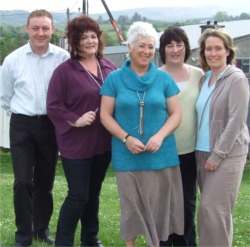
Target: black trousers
(84,178)
(189,182)
(34,155)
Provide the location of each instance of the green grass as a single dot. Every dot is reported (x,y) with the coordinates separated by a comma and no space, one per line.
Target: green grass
(109,209)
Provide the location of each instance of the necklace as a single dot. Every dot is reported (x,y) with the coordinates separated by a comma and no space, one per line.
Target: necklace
(141,104)
(99,68)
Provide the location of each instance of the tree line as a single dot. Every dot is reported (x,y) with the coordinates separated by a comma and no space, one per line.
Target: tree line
(14,37)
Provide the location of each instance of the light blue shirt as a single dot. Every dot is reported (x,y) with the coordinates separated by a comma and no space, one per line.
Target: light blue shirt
(25,78)
(202,108)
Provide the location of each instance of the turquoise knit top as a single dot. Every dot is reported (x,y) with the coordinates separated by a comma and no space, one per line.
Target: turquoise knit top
(123,84)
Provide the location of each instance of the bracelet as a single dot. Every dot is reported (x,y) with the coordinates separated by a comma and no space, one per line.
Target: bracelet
(125,138)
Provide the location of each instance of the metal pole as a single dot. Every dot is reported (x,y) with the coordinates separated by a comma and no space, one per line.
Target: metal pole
(113,22)
(85,7)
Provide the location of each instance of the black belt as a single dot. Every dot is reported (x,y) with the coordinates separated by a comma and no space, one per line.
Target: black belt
(34,117)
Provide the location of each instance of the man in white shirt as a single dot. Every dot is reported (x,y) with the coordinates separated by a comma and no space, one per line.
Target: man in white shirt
(24,80)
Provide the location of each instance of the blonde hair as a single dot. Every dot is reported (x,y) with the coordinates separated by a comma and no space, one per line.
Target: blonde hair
(227,41)
(40,13)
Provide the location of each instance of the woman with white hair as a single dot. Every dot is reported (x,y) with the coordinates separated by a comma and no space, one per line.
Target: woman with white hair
(140,109)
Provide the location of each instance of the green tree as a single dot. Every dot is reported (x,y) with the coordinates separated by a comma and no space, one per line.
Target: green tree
(6,30)
(6,47)
(123,20)
(100,19)
(136,17)
(244,16)
(20,40)
(55,39)
(109,40)
(221,16)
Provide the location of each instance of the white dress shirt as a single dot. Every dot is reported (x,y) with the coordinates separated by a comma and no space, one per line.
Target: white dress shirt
(25,78)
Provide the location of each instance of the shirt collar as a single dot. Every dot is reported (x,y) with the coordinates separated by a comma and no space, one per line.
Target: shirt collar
(49,50)
(209,73)
(104,63)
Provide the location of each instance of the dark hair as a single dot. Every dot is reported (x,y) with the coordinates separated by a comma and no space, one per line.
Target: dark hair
(227,41)
(40,13)
(177,34)
(75,29)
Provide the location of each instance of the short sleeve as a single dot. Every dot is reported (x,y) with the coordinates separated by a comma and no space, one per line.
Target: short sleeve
(171,88)
(108,88)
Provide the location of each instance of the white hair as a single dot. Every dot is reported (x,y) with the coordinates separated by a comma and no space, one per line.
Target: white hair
(142,29)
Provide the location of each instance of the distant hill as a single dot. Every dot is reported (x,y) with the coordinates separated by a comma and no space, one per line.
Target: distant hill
(19,17)
(166,13)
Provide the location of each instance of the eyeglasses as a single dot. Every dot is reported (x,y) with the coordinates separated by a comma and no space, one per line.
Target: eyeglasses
(177,47)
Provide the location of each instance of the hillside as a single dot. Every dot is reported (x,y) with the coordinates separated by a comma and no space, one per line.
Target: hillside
(19,17)
(166,13)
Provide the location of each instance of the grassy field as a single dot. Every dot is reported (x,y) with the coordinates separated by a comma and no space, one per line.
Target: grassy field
(109,209)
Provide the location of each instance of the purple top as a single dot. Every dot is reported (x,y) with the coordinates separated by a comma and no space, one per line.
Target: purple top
(71,93)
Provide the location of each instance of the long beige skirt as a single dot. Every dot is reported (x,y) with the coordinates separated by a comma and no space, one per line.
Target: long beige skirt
(151,204)
(219,191)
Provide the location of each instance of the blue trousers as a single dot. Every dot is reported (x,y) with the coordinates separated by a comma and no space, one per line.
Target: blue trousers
(84,178)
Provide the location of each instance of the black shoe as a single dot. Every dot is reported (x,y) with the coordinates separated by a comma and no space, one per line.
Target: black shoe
(42,237)
(96,244)
(99,244)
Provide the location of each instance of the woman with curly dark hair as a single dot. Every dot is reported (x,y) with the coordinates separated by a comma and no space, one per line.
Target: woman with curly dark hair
(84,144)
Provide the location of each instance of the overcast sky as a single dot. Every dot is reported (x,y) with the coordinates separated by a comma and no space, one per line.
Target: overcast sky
(96,6)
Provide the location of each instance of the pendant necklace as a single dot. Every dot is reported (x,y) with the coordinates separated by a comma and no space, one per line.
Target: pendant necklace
(141,104)
(99,68)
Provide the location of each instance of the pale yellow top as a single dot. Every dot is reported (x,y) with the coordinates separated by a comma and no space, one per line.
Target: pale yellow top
(185,134)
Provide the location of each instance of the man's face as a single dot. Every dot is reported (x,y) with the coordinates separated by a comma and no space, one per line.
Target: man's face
(40,30)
